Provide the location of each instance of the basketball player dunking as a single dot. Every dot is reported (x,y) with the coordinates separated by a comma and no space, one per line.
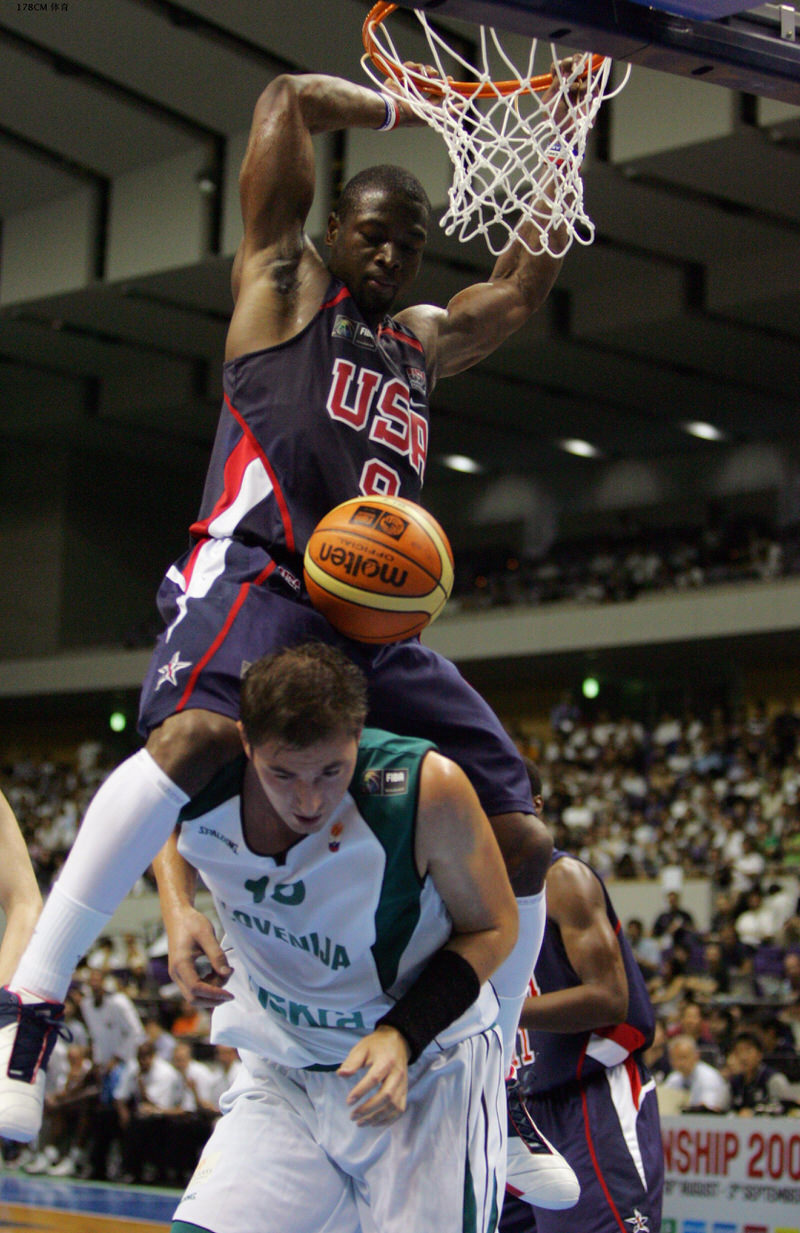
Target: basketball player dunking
(325,397)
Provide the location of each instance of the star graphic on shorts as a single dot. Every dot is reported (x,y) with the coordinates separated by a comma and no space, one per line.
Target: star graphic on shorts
(638,1222)
(167,673)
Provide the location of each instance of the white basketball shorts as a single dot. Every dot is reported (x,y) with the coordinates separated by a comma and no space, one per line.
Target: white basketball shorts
(285,1156)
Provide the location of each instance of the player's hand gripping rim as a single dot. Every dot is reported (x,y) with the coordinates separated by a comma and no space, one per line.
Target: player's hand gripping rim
(406,115)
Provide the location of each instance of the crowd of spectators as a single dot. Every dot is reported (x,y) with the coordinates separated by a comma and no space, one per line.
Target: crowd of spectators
(132,1093)
(49,795)
(716,796)
(133,1086)
(624,567)
(724,1046)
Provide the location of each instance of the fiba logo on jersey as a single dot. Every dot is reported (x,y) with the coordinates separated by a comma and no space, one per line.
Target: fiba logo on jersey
(385,781)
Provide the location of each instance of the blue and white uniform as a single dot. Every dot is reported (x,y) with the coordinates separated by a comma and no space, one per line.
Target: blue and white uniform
(591,1096)
(323,940)
(336,412)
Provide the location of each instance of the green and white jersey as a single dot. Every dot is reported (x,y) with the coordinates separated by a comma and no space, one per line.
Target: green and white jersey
(326,936)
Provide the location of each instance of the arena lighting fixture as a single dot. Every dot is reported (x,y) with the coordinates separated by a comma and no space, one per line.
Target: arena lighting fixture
(706,432)
(581,449)
(460,462)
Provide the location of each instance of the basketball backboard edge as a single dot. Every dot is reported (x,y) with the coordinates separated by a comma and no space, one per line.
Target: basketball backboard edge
(756,51)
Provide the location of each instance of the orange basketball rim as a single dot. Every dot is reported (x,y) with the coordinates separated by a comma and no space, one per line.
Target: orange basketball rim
(434,86)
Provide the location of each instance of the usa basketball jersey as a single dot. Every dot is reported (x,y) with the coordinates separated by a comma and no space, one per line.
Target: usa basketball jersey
(547,1060)
(336,412)
(328,935)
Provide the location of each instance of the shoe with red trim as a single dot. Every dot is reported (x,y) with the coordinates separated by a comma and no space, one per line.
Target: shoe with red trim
(536,1172)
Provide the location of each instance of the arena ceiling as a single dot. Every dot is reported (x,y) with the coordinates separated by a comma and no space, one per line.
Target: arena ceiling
(685,308)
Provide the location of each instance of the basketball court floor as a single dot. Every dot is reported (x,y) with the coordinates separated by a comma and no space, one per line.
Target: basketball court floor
(50,1205)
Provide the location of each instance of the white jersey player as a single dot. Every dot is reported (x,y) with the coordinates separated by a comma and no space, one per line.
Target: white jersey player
(365,905)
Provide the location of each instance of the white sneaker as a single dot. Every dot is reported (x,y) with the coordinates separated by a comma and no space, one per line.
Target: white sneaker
(43,1161)
(536,1172)
(63,1168)
(28,1032)
(22,1159)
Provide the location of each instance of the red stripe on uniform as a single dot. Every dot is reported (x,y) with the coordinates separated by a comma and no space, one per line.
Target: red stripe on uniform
(288,530)
(635,1080)
(190,564)
(596,1164)
(244,590)
(624,1035)
(236,464)
(406,338)
(344,294)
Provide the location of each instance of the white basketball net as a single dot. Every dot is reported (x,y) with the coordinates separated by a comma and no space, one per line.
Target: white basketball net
(516,156)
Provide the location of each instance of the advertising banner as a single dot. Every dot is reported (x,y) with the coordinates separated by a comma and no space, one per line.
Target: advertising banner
(731,1175)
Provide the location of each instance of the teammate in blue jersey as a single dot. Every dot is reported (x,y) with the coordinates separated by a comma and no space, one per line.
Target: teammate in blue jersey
(365,905)
(579,1071)
(325,397)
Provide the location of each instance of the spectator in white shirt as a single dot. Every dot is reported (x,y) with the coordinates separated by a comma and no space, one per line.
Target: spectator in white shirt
(152,1134)
(705,1088)
(163,1040)
(757,923)
(200,1102)
(646,950)
(667,732)
(114,1026)
(160,1087)
(199,1081)
(577,814)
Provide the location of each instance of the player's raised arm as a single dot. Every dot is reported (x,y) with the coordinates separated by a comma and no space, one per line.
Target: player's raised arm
(277,274)
(481,317)
(276,181)
(478,319)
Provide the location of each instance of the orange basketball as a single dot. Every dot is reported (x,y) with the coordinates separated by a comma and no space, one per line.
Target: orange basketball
(379,568)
